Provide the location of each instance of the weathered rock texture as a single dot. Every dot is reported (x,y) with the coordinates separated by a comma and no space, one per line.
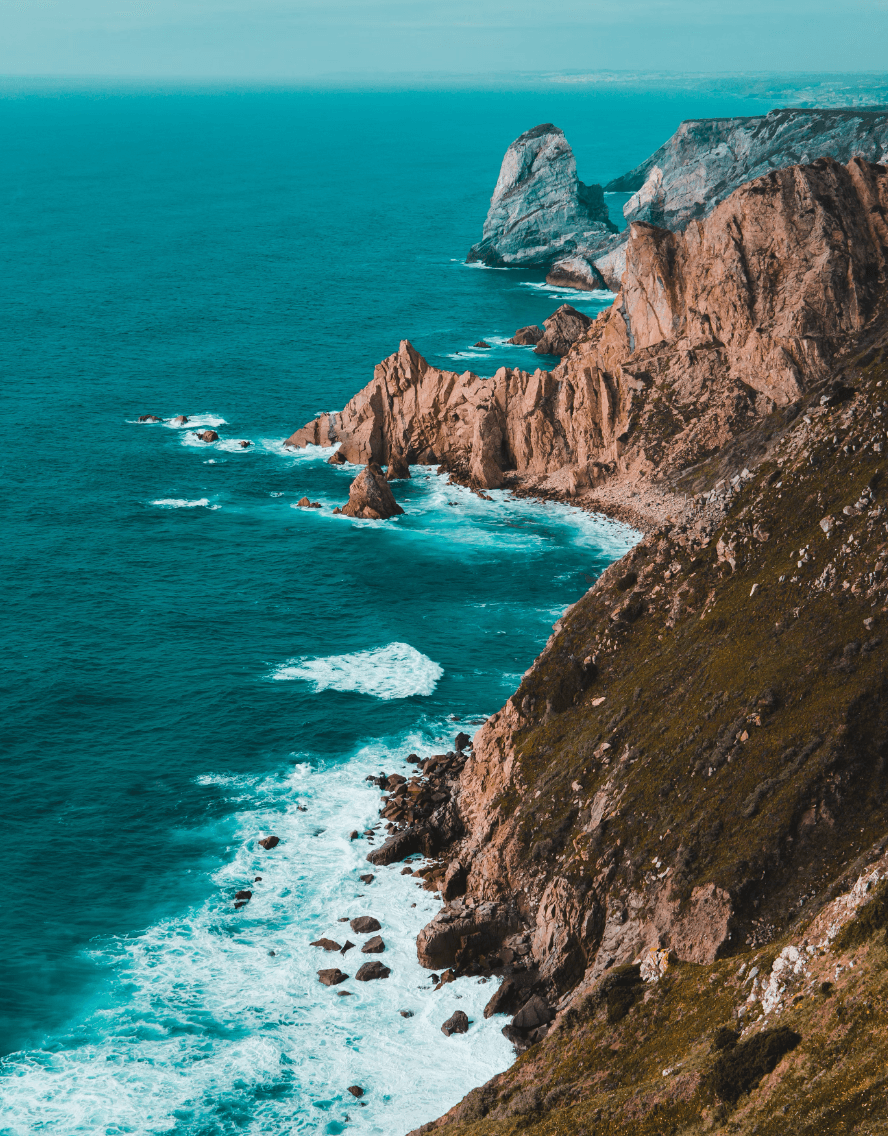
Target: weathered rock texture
(370,498)
(679,820)
(540,211)
(562,329)
(707,159)
(576,272)
(713,329)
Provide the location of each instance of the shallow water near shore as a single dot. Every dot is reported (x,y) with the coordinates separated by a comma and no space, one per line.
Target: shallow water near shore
(190,661)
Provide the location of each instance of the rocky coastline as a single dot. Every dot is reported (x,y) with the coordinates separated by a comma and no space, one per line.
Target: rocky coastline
(670,843)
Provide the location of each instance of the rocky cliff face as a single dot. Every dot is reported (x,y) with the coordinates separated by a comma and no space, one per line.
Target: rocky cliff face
(540,211)
(707,159)
(712,330)
(675,823)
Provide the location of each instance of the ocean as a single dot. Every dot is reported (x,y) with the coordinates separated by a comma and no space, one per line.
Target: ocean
(189,661)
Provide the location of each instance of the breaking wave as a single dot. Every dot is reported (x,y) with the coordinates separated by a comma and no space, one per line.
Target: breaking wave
(395,671)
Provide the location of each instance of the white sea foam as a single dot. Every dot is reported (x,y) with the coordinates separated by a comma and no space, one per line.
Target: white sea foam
(395,671)
(579,295)
(195,421)
(207,1025)
(182,503)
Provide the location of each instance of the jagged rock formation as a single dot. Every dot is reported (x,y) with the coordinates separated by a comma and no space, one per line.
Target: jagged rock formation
(562,329)
(677,825)
(540,211)
(707,159)
(713,329)
(369,497)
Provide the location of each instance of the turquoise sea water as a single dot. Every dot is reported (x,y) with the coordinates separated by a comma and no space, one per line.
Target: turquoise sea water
(188,661)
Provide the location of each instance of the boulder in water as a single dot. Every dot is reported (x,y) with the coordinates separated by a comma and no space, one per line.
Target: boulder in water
(371,970)
(456,1023)
(331,977)
(148,418)
(527,336)
(326,944)
(374,946)
(364,924)
(575,272)
(370,498)
(208,436)
(269,842)
(179,420)
(336,459)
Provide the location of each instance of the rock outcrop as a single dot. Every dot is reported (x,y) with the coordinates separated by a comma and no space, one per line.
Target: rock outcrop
(576,272)
(370,498)
(540,211)
(712,330)
(527,336)
(563,328)
(707,159)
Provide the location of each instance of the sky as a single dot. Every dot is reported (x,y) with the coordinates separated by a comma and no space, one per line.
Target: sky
(303,39)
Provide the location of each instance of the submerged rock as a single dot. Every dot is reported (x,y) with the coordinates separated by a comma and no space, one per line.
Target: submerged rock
(481,343)
(370,498)
(148,418)
(179,420)
(540,210)
(326,944)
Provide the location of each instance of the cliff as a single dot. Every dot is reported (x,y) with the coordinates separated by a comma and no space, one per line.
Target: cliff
(707,159)
(713,329)
(671,840)
(540,211)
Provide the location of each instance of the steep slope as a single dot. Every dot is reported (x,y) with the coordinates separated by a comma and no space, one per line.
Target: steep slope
(663,834)
(540,211)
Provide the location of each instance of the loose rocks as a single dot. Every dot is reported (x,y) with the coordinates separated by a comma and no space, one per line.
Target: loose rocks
(456,1023)
(331,977)
(371,970)
(374,946)
(364,924)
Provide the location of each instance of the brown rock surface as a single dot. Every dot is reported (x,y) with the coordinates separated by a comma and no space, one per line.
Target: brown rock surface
(563,328)
(370,498)
(398,470)
(372,970)
(527,336)
(208,435)
(326,944)
(712,330)
(331,977)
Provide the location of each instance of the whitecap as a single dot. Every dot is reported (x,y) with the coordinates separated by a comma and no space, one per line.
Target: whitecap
(559,292)
(395,671)
(182,503)
(195,420)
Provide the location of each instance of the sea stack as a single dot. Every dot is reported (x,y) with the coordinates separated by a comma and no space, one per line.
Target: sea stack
(540,210)
(370,498)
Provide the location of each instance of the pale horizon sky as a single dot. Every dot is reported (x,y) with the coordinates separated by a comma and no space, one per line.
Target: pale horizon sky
(274,40)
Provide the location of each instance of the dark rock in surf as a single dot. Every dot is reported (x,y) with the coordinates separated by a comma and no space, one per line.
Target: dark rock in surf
(326,944)
(246,896)
(364,924)
(372,970)
(370,498)
(356,1090)
(268,842)
(398,469)
(148,418)
(374,946)
(456,1023)
(331,977)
